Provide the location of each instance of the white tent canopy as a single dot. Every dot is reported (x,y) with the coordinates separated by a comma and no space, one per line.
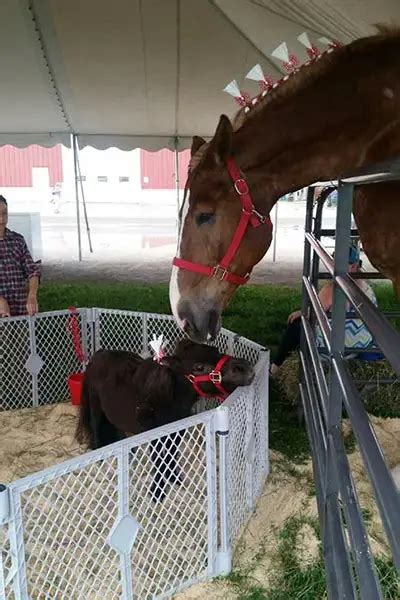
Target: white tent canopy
(149,73)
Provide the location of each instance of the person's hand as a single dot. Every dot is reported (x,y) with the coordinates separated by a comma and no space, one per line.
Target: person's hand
(32,305)
(293,316)
(4,308)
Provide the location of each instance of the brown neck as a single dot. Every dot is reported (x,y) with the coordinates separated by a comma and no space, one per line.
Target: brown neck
(322,130)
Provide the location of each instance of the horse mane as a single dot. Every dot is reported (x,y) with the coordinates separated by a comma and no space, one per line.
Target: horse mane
(308,73)
(300,79)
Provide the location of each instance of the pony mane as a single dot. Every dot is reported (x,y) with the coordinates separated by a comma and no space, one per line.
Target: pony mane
(310,71)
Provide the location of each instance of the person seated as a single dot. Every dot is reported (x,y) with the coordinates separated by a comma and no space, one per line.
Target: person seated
(357,334)
(19,274)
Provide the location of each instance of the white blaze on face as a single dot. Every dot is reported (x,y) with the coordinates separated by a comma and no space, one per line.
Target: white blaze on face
(174,293)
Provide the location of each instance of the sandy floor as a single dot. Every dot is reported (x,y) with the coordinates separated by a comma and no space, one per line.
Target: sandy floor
(33,439)
(36,438)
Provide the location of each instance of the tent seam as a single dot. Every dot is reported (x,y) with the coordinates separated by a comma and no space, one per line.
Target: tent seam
(52,78)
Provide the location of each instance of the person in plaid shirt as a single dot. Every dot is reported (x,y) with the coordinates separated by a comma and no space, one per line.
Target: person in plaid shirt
(19,274)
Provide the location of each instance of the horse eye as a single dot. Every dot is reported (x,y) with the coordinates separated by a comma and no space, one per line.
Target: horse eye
(203,218)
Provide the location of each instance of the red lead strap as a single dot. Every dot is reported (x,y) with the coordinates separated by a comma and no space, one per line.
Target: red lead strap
(249,216)
(75,331)
(214,377)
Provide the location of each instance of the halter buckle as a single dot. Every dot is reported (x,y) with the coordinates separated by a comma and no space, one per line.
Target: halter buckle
(260,217)
(215,377)
(241,187)
(191,378)
(219,273)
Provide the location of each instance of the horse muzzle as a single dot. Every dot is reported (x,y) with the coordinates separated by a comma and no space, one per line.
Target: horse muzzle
(200,324)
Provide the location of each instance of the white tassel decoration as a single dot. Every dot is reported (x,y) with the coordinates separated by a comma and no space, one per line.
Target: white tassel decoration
(158,346)
(281,52)
(256,74)
(233,89)
(326,41)
(305,40)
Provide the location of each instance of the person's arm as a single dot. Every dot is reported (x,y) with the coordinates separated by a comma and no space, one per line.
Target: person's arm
(4,308)
(32,271)
(32,302)
(326,296)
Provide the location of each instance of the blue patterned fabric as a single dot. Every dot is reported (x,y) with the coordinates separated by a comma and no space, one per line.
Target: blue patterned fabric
(357,335)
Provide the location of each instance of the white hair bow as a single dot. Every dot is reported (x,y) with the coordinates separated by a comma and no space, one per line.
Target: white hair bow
(158,345)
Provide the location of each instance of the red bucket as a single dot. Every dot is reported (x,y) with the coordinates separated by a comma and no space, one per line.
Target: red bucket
(75,387)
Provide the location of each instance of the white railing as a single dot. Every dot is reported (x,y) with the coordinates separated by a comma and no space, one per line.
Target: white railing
(92,527)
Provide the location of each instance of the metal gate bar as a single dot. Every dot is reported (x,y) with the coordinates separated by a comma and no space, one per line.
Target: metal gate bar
(349,562)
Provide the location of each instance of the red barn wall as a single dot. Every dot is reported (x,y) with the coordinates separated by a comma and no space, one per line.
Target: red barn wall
(16,164)
(159,168)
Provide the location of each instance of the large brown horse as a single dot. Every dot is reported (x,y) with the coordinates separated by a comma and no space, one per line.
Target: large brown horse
(335,115)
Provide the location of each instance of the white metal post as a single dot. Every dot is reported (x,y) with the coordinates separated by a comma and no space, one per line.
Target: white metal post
(177,181)
(78,220)
(275,232)
(224,555)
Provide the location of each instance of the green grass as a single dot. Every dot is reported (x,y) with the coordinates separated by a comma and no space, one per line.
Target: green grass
(257,312)
(296,581)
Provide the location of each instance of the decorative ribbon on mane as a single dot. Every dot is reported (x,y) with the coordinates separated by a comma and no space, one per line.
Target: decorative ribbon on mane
(290,63)
(74,329)
(158,345)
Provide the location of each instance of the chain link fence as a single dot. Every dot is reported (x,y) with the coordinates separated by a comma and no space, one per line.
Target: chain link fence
(143,518)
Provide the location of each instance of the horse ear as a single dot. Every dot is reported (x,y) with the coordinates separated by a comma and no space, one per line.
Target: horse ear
(197,143)
(221,144)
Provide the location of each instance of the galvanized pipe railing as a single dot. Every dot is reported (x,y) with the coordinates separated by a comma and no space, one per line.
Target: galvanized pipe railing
(324,398)
(386,494)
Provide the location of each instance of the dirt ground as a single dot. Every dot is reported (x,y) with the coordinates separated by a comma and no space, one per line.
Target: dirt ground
(148,270)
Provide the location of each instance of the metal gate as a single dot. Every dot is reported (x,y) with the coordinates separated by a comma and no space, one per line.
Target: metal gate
(349,561)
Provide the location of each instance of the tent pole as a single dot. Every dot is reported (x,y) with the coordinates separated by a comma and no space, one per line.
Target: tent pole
(177,182)
(83,195)
(78,220)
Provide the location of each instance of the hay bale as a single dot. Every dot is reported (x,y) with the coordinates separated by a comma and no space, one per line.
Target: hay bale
(380,399)
(288,378)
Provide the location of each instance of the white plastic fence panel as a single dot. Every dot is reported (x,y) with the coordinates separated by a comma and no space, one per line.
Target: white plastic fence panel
(247,447)
(98,526)
(16,384)
(127,330)
(37,356)
(54,347)
(246,349)
(71,529)
(258,452)
(118,330)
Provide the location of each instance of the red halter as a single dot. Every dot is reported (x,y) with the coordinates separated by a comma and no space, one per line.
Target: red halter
(215,376)
(249,216)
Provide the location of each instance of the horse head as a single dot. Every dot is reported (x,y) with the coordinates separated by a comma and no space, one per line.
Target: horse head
(219,238)
(211,372)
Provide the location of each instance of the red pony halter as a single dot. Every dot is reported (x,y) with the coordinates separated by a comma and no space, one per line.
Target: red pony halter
(249,216)
(215,377)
